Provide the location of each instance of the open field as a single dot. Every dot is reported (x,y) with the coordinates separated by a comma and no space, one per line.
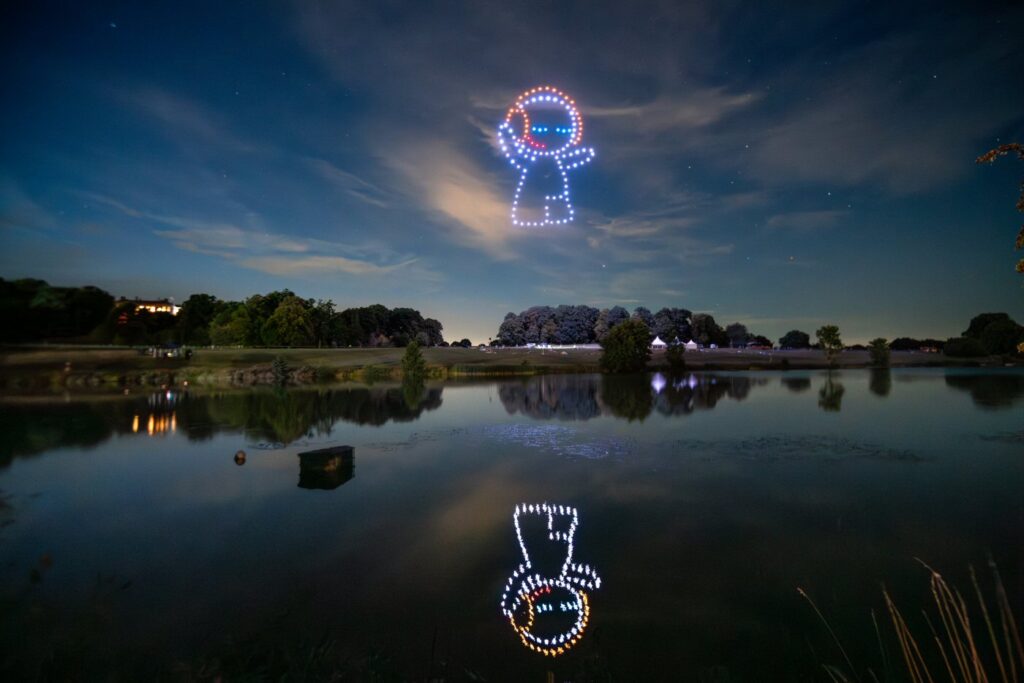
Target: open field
(73,366)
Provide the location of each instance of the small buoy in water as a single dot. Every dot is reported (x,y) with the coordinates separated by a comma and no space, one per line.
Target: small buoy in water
(240,458)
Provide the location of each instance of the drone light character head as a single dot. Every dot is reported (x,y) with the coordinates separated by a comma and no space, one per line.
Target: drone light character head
(544,123)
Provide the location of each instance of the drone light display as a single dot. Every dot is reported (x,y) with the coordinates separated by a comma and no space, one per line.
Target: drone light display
(541,137)
(528,590)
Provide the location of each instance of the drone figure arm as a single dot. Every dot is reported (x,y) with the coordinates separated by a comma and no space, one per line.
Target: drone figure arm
(511,147)
(578,157)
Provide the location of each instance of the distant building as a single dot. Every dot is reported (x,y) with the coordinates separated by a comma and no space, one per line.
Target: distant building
(658,344)
(153,305)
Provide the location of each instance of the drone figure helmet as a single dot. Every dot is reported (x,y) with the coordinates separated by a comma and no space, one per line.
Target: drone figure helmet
(542,131)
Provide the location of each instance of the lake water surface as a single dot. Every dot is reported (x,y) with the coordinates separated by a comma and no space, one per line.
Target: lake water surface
(132,542)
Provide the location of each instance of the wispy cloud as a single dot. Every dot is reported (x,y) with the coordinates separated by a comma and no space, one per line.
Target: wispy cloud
(265,250)
(349,183)
(188,121)
(301,265)
(18,211)
(457,190)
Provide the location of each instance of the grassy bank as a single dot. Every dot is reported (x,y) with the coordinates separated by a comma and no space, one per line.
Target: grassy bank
(75,366)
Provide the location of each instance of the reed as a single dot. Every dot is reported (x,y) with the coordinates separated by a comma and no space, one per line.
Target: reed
(971,649)
(964,641)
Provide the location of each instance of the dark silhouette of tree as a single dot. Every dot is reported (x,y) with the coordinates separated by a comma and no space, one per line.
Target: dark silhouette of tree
(626,348)
(879,351)
(795,339)
(705,331)
(414,367)
(990,156)
(738,335)
(830,342)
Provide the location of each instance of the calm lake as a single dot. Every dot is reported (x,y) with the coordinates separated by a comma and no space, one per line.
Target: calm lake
(132,542)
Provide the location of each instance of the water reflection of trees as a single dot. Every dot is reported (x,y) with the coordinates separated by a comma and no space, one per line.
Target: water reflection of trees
(880,383)
(561,397)
(797,384)
(994,391)
(830,396)
(262,415)
(631,397)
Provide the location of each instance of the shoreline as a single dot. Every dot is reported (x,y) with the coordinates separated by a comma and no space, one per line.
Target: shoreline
(73,368)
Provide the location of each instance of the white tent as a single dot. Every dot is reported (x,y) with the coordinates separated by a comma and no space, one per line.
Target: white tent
(691,345)
(658,344)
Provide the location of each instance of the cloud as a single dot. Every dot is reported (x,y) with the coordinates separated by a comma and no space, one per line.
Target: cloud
(676,111)
(268,251)
(191,123)
(349,183)
(18,211)
(456,189)
(907,113)
(284,265)
(804,220)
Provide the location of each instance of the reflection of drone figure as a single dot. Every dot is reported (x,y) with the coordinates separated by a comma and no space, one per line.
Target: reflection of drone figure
(524,588)
(551,132)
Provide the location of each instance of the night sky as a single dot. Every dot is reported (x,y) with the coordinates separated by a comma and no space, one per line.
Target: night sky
(774,163)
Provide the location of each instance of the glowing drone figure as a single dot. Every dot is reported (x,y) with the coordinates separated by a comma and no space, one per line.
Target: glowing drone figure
(540,136)
(528,594)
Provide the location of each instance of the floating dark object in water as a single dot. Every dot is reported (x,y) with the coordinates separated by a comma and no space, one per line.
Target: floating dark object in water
(240,458)
(326,468)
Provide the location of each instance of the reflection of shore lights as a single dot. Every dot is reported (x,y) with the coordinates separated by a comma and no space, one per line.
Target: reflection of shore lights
(524,587)
(658,382)
(522,150)
(156,424)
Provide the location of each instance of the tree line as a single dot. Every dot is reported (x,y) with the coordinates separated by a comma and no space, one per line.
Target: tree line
(33,310)
(587,325)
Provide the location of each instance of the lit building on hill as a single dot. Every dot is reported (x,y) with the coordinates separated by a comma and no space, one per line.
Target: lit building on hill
(153,305)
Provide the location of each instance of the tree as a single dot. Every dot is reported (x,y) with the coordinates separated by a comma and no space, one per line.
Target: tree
(828,339)
(737,334)
(433,329)
(675,355)
(905,344)
(1001,337)
(511,332)
(195,317)
(964,347)
(879,350)
(671,324)
(290,324)
(31,309)
(643,315)
(980,322)
(990,156)
(414,367)
(761,340)
(464,343)
(322,317)
(231,326)
(705,331)
(795,339)
(626,348)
